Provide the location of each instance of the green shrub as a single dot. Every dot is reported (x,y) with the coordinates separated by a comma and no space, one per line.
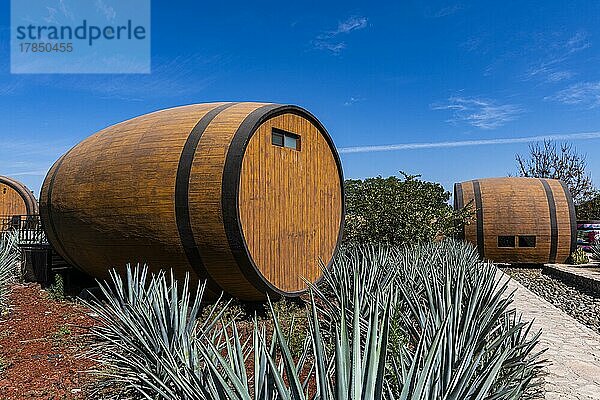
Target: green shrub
(294,324)
(396,211)
(589,209)
(57,289)
(579,256)
(3,365)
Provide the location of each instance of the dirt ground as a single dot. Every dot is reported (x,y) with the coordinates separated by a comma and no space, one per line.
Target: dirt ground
(43,346)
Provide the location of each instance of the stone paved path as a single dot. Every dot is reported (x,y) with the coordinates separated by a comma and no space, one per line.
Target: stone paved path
(573,349)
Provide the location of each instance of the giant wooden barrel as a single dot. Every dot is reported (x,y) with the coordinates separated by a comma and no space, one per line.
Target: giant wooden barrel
(15,199)
(248,196)
(519,220)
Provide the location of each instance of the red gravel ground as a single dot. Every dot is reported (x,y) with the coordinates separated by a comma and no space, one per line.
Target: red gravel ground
(41,347)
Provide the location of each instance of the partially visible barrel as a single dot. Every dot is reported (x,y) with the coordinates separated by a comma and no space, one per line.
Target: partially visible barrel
(248,196)
(519,220)
(15,199)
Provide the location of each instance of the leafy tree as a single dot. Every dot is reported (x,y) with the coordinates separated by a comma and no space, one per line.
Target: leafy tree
(546,160)
(589,209)
(396,211)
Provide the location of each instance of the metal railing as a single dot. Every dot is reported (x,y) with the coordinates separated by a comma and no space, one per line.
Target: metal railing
(28,227)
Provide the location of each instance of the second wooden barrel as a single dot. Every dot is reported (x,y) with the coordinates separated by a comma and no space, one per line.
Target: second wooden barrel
(15,199)
(248,196)
(519,220)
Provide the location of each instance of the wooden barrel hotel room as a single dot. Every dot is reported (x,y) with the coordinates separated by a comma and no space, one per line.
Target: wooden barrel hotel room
(519,220)
(16,200)
(246,195)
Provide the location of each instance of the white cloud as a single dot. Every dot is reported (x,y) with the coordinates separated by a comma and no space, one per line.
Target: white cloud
(330,40)
(65,10)
(335,48)
(39,172)
(105,9)
(464,143)
(583,93)
(552,68)
(577,42)
(481,113)
(446,11)
(352,100)
(351,24)
(51,18)
(558,76)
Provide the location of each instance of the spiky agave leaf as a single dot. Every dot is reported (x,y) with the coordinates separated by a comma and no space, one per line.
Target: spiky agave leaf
(348,373)
(367,270)
(9,256)
(454,335)
(483,350)
(460,340)
(142,320)
(595,249)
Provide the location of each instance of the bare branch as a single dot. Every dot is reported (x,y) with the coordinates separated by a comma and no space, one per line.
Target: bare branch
(545,160)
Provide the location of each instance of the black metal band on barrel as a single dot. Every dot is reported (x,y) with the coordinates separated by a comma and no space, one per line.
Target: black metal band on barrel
(459,203)
(572,216)
(231,186)
(553,222)
(182,188)
(479,214)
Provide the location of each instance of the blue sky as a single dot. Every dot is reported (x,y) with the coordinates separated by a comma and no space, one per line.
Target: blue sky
(375,73)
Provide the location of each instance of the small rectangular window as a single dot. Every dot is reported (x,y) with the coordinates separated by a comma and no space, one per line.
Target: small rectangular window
(285,139)
(277,139)
(506,241)
(527,241)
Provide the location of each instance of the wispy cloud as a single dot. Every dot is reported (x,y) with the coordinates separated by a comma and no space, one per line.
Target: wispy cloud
(29,160)
(583,93)
(51,17)
(577,42)
(331,40)
(446,11)
(39,172)
(552,68)
(335,48)
(465,143)
(169,78)
(108,11)
(351,24)
(19,150)
(472,43)
(478,112)
(55,14)
(353,100)
(8,88)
